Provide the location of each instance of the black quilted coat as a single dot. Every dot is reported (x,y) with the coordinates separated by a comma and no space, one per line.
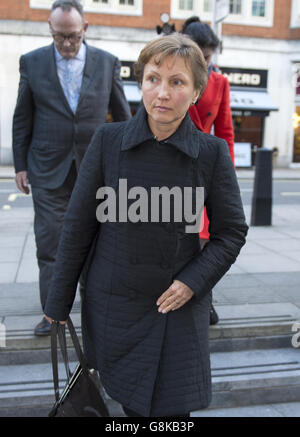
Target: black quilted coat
(155,364)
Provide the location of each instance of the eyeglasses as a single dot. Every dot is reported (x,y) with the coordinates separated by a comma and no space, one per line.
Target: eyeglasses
(60,38)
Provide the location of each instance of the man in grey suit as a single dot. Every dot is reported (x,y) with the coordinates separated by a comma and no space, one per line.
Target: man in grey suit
(65,91)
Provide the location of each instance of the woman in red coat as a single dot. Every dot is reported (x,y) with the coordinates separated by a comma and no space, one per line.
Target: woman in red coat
(212,113)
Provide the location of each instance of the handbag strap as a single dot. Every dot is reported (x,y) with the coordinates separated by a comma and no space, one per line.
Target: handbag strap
(63,347)
(77,347)
(58,330)
(54,326)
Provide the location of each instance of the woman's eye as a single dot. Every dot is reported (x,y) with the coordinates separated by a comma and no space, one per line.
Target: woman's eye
(152,79)
(177,82)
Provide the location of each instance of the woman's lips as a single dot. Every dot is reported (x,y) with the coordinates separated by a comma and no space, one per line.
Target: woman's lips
(162,108)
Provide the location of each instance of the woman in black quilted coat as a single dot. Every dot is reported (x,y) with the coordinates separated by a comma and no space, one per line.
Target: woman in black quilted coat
(145,311)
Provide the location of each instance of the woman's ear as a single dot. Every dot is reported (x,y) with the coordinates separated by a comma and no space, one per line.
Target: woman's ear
(196,97)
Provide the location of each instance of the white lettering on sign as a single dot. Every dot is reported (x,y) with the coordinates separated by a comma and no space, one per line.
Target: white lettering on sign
(243,79)
(243,100)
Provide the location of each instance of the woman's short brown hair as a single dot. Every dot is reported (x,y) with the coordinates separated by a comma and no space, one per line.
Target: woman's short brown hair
(179,45)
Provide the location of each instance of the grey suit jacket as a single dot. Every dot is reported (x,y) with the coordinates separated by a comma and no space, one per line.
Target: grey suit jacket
(47,136)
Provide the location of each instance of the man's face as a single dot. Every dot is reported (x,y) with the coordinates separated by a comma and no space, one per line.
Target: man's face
(68,30)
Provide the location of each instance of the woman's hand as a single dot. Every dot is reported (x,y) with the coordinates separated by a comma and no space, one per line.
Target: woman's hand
(51,320)
(174,297)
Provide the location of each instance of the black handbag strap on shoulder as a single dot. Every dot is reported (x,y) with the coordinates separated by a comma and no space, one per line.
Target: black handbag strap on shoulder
(58,331)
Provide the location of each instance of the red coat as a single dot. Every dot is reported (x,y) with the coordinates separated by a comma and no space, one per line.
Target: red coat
(213,110)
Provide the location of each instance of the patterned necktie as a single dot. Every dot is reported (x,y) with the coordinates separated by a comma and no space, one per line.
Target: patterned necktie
(72,84)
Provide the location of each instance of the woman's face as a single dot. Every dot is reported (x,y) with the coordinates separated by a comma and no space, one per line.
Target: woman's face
(208,54)
(168,91)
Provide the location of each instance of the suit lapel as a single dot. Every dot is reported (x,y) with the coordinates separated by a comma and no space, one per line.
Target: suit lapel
(89,71)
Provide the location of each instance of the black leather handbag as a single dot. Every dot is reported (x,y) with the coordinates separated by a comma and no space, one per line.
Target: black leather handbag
(81,396)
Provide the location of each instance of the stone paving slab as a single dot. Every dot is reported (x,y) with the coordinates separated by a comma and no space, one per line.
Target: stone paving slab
(289,409)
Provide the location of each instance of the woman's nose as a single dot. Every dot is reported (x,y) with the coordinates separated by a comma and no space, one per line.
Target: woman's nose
(164,91)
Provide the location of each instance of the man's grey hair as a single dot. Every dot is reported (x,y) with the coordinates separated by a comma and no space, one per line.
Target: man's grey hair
(67,5)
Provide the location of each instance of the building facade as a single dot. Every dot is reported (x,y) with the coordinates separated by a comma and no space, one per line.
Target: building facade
(260,57)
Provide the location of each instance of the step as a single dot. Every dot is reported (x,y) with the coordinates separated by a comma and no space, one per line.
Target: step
(239,379)
(253,326)
(255,377)
(27,390)
(22,346)
(241,327)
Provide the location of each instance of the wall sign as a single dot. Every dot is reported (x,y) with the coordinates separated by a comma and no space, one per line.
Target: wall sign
(242,154)
(243,77)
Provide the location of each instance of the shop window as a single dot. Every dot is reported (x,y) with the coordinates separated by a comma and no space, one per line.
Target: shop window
(296,123)
(248,129)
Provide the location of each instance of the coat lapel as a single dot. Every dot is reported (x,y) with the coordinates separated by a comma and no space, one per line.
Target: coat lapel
(88,73)
(54,79)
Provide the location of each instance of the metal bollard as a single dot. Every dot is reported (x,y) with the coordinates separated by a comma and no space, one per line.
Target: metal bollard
(261,213)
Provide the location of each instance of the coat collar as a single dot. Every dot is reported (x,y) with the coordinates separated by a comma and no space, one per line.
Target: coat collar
(186,137)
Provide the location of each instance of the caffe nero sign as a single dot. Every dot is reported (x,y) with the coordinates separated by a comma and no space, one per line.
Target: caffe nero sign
(241,77)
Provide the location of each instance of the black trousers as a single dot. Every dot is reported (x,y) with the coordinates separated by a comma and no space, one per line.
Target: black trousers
(49,210)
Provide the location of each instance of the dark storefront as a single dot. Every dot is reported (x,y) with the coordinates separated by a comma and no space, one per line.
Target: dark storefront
(250,105)
(131,88)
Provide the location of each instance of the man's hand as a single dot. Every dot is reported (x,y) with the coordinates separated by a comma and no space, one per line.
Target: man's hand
(174,297)
(22,182)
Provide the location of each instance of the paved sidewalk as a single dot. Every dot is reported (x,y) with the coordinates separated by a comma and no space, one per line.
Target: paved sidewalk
(278,173)
(264,271)
(242,173)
